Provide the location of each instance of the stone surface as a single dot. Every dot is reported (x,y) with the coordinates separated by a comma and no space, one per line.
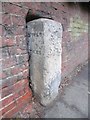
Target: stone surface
(45,38)
(73,103)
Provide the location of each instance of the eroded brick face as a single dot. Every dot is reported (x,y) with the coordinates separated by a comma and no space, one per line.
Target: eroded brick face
(14,75)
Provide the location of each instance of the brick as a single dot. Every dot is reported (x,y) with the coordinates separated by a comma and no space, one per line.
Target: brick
(8,41)
(21,51)
(13,111)
(0,33)
(6,19)
(8,30)
(15,70)
(21,42)
(0,6)
(8,99)
(14,95)
(12,60)
(9,107)
(20,83)
(6,72)
(0,55)
(18,10)
(5,52)
(0,76)
(0,18)
(30,5)
(22,58)
(21,76)
(19,39)
(26,57)
(19,68)
(0,41)
(11,81)
(17,20)
(10,8)
(14,78)
(6,91)
(15,103)
(27,88)
(24,97)
(19,30)
(20,102)
(46,6)
(25,73)
(12,50)
(27,5)
(57,6)
(18,3)
(13,92)
(9,62)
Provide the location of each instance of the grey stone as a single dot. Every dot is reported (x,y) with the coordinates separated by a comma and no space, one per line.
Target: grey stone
(73,102)
(45,38)
(60,110)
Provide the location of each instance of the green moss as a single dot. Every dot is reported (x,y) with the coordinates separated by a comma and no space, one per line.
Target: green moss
(77,27)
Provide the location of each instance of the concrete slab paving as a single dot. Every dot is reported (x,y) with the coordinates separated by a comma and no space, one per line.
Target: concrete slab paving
(73,103)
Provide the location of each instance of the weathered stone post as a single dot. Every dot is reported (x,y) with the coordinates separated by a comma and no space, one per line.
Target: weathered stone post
(45,39)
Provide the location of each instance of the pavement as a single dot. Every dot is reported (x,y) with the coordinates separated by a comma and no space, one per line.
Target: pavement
(72,101)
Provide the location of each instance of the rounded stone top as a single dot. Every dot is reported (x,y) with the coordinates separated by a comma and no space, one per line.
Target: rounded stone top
(43,20)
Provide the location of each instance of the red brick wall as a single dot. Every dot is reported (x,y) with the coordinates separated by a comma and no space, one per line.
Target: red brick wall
(15,68)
